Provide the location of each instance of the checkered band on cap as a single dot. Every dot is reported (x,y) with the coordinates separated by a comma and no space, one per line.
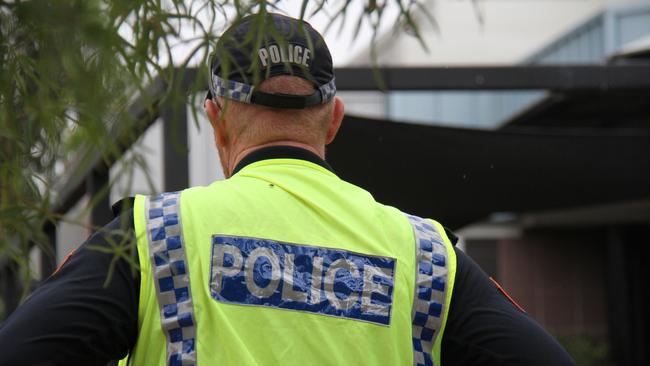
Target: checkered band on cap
(430,289)
(171,276)
(244,92)
(328,91)
(231,89)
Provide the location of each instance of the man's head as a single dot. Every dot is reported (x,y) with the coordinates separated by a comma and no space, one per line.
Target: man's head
(272,82)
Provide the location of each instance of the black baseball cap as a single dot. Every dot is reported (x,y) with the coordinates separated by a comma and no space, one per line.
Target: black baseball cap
(258,47)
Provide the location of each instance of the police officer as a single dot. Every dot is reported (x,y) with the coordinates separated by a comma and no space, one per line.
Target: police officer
(283,263)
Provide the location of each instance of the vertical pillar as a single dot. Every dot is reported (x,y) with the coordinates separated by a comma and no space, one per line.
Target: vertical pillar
(628,294)
(98,190)
(176,167)
(10,286)
(48,254)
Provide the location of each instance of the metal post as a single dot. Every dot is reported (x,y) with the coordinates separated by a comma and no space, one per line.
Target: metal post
(5,292)
(48,255)
(176,166)
(10,286)
(98,189)
(628,293)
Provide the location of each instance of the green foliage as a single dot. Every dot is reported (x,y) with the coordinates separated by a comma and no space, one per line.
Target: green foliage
(70,68)
(587,351)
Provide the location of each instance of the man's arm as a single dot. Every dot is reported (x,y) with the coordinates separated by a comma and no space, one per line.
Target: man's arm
(485,328)
(77,317)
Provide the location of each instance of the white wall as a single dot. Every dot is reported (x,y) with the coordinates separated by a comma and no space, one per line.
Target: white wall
(72,230)
(131,176)
(204,163)
(511,30)
(364,103)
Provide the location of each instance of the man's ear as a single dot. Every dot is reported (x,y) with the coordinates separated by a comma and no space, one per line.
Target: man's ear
(212,110)
(335,123)
(217,120)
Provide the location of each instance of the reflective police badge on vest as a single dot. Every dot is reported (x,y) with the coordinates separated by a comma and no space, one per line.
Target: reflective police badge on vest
(334,282)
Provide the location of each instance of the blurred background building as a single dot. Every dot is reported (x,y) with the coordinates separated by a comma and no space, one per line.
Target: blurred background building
(557,263)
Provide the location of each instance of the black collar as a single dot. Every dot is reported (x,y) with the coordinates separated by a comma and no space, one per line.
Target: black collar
(281,152)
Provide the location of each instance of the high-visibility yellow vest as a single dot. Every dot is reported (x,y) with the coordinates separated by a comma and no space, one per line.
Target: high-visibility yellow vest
(286,264)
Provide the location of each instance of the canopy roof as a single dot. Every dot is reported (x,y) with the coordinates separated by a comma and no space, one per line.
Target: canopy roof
(459,176)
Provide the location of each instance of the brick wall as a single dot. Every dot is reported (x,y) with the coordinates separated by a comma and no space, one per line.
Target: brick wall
(559,278)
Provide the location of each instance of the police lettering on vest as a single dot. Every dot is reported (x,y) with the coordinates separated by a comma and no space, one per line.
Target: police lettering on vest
(262,272)
(291,53)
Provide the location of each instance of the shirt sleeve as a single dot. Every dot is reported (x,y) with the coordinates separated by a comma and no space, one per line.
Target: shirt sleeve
(86,312)
(485,328)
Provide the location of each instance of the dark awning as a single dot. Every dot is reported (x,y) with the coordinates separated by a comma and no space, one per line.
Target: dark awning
(611,109)
(459,176)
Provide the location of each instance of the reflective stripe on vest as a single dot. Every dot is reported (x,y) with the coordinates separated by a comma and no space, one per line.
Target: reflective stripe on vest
(171,276)
(430,289)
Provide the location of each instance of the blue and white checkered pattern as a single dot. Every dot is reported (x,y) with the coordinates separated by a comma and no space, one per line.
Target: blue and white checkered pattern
(243,92)
(171,275)
(328,91)
(231,89)
(430,292)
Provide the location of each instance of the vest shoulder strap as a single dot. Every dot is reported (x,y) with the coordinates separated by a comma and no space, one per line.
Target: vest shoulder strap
(434,280)
(169,265)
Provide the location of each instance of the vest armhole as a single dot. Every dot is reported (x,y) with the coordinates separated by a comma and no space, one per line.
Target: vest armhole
(435,272)
(451,276)
(142,242)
